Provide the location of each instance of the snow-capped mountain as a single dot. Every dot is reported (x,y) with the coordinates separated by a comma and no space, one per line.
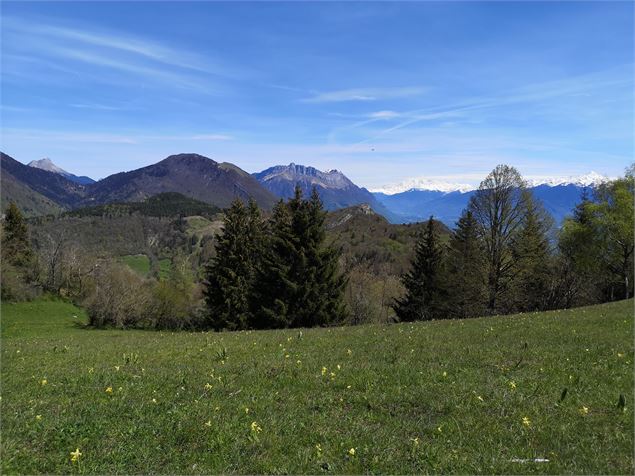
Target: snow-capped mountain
(426,184)
(418,199)
(587,180)
(422,183)
(48,165)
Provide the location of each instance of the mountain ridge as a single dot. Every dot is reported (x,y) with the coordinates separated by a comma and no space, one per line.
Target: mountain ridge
(48,165)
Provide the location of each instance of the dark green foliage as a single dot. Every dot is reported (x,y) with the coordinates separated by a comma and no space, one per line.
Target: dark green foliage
(299,283)
(273,296)
(425,294)
(533,260)
(16,248)
(466,278)
(168,204)
(231,273)
(18,263)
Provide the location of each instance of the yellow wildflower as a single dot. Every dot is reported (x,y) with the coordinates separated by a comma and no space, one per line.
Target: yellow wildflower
(584,411)
(351,452)
(75,455)
(318,449)
(208,386)
(512,385)
(324,370)
(246,410)
(44,382)
(255,427)
(445,374)
(109,390)
(38,417)
(526,421)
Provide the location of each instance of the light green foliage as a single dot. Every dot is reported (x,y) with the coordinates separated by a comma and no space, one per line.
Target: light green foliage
(430,397)
(138,263)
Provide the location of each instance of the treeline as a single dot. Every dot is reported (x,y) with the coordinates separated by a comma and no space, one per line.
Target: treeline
(168,204)
(505,256)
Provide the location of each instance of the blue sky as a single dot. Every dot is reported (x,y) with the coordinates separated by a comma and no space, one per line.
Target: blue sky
(381,91)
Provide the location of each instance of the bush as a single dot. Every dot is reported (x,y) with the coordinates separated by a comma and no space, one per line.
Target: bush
(120,298)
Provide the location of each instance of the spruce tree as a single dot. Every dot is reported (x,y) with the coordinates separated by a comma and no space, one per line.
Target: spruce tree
(274,289)
(319,297)
(532,255)
(425,295)
(299,284)
(467,275)
(230,275)
(16,248)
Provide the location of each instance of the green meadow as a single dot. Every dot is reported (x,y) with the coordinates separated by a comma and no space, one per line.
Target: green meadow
(547,393)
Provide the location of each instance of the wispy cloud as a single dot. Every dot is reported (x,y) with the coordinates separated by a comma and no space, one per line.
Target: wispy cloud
(48,45)
(364,94)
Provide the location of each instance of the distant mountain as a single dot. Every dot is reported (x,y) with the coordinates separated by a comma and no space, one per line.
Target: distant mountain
(192,175)
(335,189)
(417,205)
(48,165)
(35,190)
(38,191)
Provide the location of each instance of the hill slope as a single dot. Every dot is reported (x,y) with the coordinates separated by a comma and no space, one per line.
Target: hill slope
(436,397)
(56,188)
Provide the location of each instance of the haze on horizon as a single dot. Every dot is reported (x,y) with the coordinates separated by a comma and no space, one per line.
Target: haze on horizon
(383,92)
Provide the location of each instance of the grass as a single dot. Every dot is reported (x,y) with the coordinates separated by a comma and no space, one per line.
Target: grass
(436,397)
(138,263)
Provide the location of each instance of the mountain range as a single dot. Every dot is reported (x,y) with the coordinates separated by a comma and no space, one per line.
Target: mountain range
(43,188)
(335,189)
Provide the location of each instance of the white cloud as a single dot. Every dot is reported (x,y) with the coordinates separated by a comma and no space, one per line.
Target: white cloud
(364,94)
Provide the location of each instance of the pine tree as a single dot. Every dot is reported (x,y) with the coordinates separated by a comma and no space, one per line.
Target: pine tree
(231,274)
(424,299)
(16,248)
(467,275)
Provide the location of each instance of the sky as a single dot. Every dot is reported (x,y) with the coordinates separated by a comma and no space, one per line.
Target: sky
(381,91)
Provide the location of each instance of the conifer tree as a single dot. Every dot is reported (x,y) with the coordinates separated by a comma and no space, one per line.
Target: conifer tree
(424,298)
(299,284)
(532,255)
(467,269)
(319,297)
(230,275)
(16,248)
(274,291)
